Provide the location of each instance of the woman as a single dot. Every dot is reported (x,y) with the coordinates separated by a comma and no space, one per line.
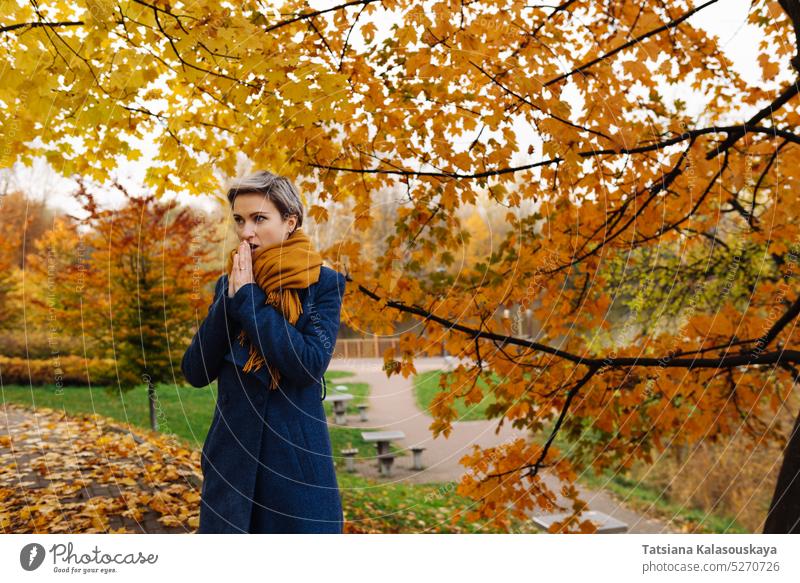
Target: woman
(268,338)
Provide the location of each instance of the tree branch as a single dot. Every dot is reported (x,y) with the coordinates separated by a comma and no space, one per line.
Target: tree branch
(738,129)
(534,467)
(744,358)
(312,14)
(12,27)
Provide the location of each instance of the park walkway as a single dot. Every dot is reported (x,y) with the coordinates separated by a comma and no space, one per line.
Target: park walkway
(392,406)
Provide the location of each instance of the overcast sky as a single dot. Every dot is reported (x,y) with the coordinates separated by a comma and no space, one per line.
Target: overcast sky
(725,19)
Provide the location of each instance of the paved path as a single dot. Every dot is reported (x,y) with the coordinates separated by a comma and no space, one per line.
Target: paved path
(393,407)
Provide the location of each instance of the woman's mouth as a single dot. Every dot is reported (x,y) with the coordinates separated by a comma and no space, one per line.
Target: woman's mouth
(253,247)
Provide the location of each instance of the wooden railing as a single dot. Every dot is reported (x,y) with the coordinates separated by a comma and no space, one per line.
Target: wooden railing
(364,347)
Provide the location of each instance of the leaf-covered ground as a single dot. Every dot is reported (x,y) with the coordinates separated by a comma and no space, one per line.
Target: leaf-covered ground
(87,473)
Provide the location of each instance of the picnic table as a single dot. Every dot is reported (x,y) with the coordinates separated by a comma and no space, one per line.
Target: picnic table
(339,406)
(382,440)
(605,524)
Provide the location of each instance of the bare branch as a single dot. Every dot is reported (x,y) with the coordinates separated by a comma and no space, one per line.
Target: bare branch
(29,25)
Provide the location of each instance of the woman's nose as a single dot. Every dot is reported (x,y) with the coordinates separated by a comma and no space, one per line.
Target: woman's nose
(247,232)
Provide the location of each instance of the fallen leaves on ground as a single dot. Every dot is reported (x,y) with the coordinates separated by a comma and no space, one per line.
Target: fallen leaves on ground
(89,474)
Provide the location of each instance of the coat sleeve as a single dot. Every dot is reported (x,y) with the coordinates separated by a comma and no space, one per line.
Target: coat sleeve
(301,357)
(203,359)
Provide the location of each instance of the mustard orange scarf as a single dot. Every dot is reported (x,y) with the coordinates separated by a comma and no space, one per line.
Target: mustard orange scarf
(280,270)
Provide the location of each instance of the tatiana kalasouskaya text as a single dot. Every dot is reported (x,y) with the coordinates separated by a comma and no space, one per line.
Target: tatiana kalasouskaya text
(712,549)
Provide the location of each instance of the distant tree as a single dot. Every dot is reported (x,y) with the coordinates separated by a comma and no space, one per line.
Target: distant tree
(57,267)
(137,286)
(24,219)
(10,305)
(22,222)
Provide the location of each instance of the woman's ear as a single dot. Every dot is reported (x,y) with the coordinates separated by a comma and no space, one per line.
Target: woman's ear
(292,220)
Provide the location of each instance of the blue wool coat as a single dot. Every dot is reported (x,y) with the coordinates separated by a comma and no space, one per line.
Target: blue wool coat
(267,461)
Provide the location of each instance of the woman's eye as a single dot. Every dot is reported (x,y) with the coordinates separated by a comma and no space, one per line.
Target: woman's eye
(258,218)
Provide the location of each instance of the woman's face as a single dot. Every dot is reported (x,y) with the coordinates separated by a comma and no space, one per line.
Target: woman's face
(258,221)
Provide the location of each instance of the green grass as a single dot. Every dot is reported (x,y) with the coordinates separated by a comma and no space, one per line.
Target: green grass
(360,391)
(400,507)
(338,374)
(347,437)
(185,412)
(426,386)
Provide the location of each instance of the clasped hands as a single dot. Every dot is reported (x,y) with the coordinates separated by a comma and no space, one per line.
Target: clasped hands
(242,271)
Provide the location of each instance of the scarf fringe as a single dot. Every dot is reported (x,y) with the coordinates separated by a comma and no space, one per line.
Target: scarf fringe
(255,360)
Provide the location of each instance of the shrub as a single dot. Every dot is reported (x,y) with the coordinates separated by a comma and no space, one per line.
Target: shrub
(38,345)
(59,370)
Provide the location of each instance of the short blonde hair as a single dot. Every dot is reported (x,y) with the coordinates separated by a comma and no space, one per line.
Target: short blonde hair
(278,189)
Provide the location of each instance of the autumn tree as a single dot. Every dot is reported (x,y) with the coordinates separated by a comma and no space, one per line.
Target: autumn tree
(22,221)
(154,252)
(57,271)
(437,102)
(9,314)
(132,284)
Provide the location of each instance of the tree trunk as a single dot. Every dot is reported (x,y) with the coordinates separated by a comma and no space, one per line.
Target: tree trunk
(784,510)
(151,398)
